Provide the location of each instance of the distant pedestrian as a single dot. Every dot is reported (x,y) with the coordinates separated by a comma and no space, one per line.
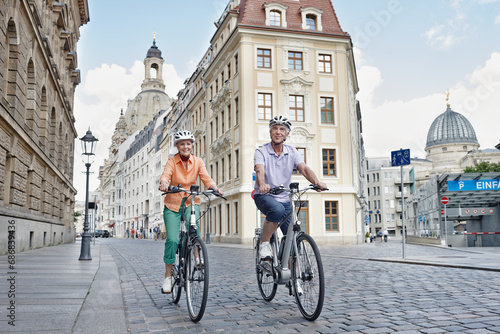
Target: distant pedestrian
(132,233)
(128,233)
(371,237)
(386,235)
(150,233)
(155,231)
(379,234)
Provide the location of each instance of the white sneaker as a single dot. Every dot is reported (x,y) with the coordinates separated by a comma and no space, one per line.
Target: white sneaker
(265,251)
(167,285)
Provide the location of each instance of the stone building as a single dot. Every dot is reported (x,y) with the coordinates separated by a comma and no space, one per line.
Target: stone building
(38,77)
(277,58)
(123,171)
(451,146)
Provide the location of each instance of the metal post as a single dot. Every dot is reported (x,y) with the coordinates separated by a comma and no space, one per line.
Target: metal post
(403,210)
(85,249)
(445,227)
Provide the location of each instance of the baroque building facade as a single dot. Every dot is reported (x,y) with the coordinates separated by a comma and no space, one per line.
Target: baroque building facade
(38,77)
(266,59)
(126,179)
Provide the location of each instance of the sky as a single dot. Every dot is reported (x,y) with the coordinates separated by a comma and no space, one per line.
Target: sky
(408,54)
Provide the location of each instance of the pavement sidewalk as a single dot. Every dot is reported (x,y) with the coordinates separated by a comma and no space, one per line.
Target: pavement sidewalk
(54,292)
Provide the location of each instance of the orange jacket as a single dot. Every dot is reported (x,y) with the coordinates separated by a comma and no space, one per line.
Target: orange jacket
(175,173)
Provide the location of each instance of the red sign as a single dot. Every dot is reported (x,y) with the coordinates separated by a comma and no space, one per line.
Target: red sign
(442,211)
(444,200)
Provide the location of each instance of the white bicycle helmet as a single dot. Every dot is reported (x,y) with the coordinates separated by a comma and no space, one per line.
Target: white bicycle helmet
(183,135)
(280,120)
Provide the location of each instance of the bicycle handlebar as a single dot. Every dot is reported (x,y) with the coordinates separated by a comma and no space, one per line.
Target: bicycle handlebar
(279,189)
(178,189)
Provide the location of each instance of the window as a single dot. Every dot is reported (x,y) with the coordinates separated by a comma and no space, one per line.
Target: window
(237,153)
(296,108)
(236,63)
(229,166)
(311,22)
(329,162)
(302,152)
(229,125)
(236,112)
(294,60)
(331,216)
(324,63)
(275,18)
(264,105)
(263,58)
(326,110)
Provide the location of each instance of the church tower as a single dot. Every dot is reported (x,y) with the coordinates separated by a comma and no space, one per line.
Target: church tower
(152,99)
(153,65)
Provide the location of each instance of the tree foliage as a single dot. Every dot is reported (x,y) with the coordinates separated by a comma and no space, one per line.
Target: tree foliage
(483,167)
(77,214)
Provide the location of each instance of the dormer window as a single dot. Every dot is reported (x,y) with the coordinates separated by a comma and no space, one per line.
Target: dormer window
(311,22)
(311,18)
(275,14)
(275,18)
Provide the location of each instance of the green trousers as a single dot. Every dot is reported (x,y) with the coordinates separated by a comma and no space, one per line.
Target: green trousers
(172,222)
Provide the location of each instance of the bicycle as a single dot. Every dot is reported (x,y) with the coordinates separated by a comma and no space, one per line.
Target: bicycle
(297,264)
(190,269)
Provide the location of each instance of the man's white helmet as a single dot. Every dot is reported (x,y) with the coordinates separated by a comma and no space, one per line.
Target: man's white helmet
(280,120)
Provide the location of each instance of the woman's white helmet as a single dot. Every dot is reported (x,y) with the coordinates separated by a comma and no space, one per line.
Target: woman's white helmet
(280,120)
(183,135)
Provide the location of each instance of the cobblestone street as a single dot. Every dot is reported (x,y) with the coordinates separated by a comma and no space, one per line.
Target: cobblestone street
(361,296)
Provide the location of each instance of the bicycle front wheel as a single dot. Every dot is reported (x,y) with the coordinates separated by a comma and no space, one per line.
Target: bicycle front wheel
(176,278)
(308,278)
(265,276)
(197,280)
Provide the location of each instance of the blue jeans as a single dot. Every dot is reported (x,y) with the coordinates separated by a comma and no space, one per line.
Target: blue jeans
(275,211)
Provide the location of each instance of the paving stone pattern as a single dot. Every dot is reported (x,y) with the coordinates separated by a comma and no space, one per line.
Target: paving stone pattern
(362,296)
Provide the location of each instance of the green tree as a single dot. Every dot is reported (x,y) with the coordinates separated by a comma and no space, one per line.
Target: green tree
(483,167)
(77,214)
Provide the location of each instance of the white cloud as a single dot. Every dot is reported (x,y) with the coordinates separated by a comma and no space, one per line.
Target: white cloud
(399,124)
(103,92)
(497,19)
(441,37)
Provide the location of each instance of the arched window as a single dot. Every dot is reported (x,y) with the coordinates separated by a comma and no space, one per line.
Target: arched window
(43,118)
(154,71)
(52,133)
(31,123)
(10,85)
(275,18)
(311,22)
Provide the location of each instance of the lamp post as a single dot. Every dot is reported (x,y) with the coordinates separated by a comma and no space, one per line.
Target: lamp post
(89,143)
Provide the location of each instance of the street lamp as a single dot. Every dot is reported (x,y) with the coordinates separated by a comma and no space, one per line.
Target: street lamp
(89,143)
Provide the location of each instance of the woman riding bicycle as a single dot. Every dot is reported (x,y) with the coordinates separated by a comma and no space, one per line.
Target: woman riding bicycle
(184,169)
(274,163)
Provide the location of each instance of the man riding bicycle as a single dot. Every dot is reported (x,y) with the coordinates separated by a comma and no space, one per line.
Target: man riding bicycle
(274,163)
(184,169)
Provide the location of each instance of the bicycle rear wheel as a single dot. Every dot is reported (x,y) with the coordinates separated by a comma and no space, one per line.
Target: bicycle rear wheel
(308,278)
(197,280)
(265,276)
(176,278)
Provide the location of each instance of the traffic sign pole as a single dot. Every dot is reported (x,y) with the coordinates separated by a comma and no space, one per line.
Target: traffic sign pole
(445,200)
(403,210)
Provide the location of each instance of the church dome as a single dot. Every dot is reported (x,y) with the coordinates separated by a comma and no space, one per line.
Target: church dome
(154,51)
(450,127)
